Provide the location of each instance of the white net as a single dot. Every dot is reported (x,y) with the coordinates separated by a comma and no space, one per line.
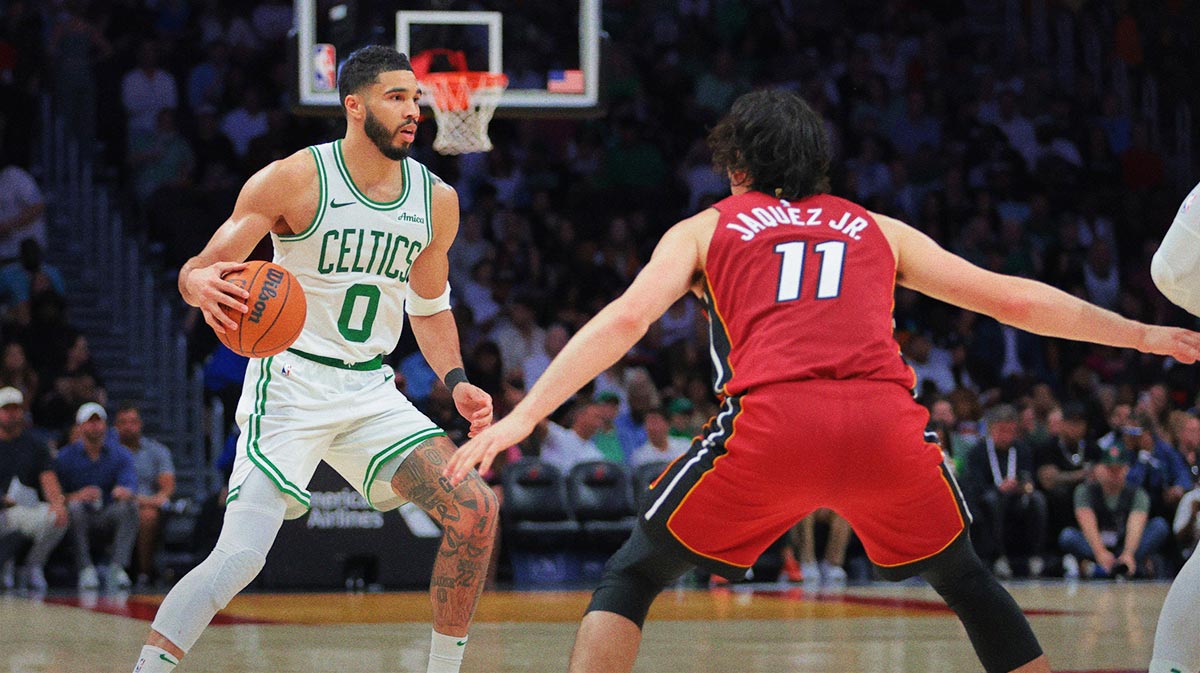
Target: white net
(463,104)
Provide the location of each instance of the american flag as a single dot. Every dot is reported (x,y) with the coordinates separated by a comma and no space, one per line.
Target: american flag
(565,81)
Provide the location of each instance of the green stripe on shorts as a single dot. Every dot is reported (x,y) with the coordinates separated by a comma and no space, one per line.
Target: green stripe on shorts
(391,452)
(253,451)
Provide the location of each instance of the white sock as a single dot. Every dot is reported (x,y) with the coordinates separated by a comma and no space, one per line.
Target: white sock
(446,653)
(1160,666)
(155,660)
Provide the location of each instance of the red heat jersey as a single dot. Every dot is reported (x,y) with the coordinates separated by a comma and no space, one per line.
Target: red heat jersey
(800,290)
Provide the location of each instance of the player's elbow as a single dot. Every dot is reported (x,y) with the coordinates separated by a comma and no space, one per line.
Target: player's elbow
(628,318)
(629,323)
(1014,308)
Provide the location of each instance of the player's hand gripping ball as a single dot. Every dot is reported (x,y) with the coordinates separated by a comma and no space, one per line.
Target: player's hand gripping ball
(277,311)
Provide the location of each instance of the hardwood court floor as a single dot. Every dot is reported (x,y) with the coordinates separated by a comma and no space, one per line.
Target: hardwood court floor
(1092,627)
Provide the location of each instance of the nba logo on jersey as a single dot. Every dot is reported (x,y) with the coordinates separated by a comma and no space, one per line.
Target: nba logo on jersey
(286,370)
(324,67)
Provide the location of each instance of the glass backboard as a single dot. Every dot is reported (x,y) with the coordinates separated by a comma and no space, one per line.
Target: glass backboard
(549,49)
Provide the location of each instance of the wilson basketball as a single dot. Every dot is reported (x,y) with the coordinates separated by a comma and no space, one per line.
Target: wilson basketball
(277,310)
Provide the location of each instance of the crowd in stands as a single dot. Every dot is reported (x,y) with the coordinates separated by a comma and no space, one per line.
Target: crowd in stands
(1011,152)
(108,486)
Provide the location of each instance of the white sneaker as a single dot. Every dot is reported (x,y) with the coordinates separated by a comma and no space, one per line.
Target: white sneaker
(811,572)
(88,579)
(1036,565)
(832,574)
(1088,570)
(1001,568)
(118,580)
(1070,567)
(35,581)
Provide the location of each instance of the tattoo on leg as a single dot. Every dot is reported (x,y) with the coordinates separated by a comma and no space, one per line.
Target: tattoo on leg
(468,519)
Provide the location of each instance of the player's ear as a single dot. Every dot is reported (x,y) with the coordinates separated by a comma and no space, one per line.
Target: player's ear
(354,106)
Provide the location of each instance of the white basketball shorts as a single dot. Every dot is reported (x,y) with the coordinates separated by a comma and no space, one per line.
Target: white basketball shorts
(299,409)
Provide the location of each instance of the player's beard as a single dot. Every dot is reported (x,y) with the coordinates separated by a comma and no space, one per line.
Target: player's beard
(383,138)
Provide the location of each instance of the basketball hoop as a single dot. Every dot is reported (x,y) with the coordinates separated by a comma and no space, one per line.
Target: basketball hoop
(463,104)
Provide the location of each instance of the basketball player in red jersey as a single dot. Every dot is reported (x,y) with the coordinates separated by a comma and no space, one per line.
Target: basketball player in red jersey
(817,407)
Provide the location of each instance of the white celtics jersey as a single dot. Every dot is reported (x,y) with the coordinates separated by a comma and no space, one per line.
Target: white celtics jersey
(354,258)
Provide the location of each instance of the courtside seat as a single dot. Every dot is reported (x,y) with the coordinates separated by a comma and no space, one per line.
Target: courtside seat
(644,475)
(177,554)
(600,496)
(536,512)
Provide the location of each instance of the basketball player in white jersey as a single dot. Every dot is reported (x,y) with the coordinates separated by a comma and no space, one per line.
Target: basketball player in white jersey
(1176,272)
(365,229)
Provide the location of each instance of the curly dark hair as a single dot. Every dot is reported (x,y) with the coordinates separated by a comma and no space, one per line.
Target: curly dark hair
(363,66)
(777,140)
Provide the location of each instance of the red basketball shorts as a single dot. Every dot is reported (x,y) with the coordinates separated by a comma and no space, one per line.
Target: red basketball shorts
(773,455)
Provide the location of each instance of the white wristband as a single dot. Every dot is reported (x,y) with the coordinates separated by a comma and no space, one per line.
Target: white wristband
(420,306)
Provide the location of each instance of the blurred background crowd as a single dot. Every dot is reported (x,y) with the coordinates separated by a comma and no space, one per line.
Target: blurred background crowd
(1045,138)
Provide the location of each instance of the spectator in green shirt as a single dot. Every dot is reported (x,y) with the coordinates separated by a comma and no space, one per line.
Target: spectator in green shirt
(1114,529)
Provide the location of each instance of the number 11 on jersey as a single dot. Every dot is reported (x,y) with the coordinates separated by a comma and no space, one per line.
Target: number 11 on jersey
(791,269)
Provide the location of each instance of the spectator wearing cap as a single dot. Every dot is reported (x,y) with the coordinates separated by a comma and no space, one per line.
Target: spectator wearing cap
(1113,527)
(100,480)
(606,439)
(25,469)
(660,446)
(1156,467)
(681,416)
(998,482)
(1064,462)
(156,482)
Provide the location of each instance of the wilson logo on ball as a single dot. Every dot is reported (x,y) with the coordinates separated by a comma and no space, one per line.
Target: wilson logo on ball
(270,290)
(276,310)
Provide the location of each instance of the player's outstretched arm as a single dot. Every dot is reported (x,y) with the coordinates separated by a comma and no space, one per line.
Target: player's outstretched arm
(429,309)
(924,266)
(280,196)
(671,272)
(1176,265)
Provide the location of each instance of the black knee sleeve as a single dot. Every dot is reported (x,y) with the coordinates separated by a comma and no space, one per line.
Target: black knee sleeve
(634,577)
(995,624)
